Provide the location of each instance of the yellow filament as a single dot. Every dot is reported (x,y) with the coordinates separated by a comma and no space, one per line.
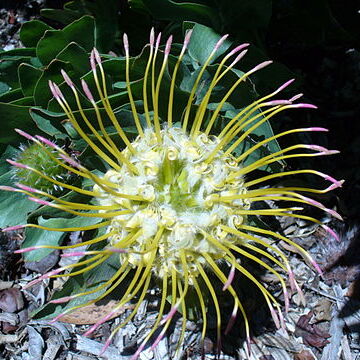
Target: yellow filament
(223,279)
(202,306)
(105,284)
(263,264)
(85,269)
(278,236)
(262,143)
(59,183)
(107,292)
(80,228)
(110,148)
(264,291)
(202,107)
(241,124)
(105,101)
(85,243)
(131,99)
(194,88)
(156,100)
(213,296)
(286,173)
(221,104)
(85,214)
(260,162)
(146,106)
(65,106)
(261,242)
(172,86)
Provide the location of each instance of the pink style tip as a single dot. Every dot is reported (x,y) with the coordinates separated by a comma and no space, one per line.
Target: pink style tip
(106,345)
(92,61)
(152,37)
(220,42)
(117,250)
(71,161)
(170,314)
(74,253)
(274,317)
(19,165)
(277,102)
(48,143)
(230,278)
(26,188)
(316,267)
(40,201)
(283,86)
(304,106)
(335,185)
(53,91)
(8,188)
(98,323)
(157,44)
(168,45)
(239,57)
(126,43)
(67,79)
(24,250)
(231,322)
(262,65)
(87,91)
(97,56)
(57,93)
(13,228)
(61,300)
(296,97)
(187,37)
(317,129)
(25,134)
(56,318)
(237,49)
(331,232)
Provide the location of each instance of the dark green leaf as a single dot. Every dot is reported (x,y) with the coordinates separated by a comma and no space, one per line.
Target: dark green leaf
(35,237)
(15,116)
(80,31)
(14,207)
(28,77)
(178,11)
(202,42)
(32,31)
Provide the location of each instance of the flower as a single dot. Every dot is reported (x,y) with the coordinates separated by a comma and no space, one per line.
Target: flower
(176,201)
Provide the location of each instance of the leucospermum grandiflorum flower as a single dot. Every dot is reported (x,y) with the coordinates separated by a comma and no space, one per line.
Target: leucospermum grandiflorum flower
(176,200)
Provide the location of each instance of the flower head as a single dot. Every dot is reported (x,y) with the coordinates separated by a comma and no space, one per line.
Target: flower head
(175,201)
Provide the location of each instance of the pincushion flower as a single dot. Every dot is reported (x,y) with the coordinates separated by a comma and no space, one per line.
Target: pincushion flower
(175,201)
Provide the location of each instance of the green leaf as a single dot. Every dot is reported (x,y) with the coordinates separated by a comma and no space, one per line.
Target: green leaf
(54,41)
(18,54)
(32,31)
(4,88)
(48,121)
(14,207)
(77,57)
(15,116)
(262,132)
(36,237)
(202,42)
(64,16)
(28,77)
(178,11)
(79,284)
(42,93)
(11,95)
